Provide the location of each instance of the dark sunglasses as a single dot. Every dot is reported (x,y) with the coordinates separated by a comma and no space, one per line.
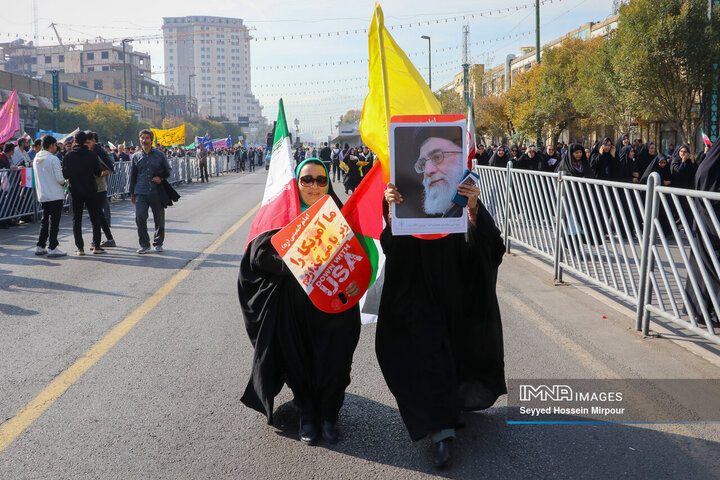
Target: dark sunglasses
(308,180)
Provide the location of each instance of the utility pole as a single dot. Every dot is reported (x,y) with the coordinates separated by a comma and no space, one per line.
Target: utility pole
(429,61)
(711,117)
(190,77)
(537,31)
(124,41)
(466,62)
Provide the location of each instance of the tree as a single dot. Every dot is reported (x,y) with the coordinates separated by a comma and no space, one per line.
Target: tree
(491,116)
(666,52)
(523,101)
(452,102)
(110,120)
(559,85)
(351,117)
(604,98)
(62,121)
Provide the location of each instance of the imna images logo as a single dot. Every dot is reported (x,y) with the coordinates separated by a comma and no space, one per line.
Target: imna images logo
(544,393)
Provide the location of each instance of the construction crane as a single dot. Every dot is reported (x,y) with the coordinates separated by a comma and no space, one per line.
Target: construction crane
(52,25)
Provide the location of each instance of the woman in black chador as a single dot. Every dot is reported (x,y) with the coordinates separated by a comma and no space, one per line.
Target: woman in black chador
(296,343)
(439,335)
(707,179)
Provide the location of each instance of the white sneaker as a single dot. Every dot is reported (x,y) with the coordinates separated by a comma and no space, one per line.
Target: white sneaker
(143,250)
(56,252)
(40,251)
(158,248)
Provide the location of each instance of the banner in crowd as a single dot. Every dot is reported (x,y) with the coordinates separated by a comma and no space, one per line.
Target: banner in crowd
(222,143)
(9,118)
(169,137)
(42,133)
(71,134)
(324,255)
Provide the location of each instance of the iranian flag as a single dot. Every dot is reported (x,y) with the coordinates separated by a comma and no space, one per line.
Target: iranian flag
(281,201)
(26,136)
(27,179)
(706,139)
(471,142)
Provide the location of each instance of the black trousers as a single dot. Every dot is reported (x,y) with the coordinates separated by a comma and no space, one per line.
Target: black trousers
(78,205)
(102,201)
(336,171)
(50,224)
(142,204)
(204,171)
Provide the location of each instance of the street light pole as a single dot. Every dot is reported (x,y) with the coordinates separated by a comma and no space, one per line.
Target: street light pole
(190,77)
(124,41)
(429,61)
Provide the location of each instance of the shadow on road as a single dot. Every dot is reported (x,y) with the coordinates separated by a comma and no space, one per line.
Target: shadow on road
(487,447)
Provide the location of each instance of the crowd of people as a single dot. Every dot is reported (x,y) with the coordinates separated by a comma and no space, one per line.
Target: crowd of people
(345,164)
(621,161)
(79,166)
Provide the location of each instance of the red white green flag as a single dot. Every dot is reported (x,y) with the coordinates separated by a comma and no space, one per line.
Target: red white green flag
(27,179)
(281,201)
(706,139)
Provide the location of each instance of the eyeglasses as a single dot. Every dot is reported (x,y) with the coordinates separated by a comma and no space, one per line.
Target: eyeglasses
(309,180)
(437,157)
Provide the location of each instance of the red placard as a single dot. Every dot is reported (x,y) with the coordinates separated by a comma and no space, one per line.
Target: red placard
(323,254)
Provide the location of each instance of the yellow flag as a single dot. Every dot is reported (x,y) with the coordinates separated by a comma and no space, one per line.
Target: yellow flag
(173,136)
(396,88)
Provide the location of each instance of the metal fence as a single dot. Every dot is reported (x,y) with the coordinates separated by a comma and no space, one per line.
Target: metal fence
(19,202)
(653,246)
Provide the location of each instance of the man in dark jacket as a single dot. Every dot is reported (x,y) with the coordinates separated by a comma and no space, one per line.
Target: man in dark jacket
(81,166)
(326,156)
(149,168)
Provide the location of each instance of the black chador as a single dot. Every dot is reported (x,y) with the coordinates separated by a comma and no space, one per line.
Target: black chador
(439,336)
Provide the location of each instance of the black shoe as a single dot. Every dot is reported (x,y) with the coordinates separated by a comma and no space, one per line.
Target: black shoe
(329,431)
(441,453)
(308,434)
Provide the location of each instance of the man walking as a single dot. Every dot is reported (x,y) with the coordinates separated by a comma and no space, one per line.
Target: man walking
(149,167)
(81,166)
(49,182)
(325,154)
(202,157)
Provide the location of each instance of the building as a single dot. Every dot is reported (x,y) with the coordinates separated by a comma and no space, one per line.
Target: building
(209,58)
(36,61)
(499,79)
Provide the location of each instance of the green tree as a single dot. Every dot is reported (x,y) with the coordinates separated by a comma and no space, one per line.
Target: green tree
(111,121)
(523,101)
(665,56)
(452,102)
(491,116)
(67,120)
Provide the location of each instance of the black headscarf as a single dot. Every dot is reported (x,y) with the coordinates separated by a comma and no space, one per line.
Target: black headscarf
(567,165)
(643,158)
(498,161)
(707,177)
(655,167)
(683,173)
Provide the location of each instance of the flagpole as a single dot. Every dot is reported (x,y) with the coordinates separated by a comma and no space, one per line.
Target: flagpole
(379,23)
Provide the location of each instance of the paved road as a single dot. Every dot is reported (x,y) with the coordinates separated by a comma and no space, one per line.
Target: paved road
(163,402)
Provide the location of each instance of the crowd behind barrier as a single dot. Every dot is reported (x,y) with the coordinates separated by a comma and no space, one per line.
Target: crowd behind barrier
(17,201)
(635,241)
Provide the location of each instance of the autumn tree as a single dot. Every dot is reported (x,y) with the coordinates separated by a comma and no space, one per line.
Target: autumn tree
(491,116)
(523,103)
(110,120)
(451,102)
(665,56)
(351,117)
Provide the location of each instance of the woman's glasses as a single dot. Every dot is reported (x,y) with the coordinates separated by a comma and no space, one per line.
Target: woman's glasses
(309,180)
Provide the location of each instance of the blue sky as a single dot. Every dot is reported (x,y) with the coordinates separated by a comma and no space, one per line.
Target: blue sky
(314,103)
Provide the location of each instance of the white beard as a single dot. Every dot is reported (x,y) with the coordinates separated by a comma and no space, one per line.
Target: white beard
(438,198)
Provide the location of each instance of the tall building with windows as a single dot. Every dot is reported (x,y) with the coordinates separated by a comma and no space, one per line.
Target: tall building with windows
(209,58)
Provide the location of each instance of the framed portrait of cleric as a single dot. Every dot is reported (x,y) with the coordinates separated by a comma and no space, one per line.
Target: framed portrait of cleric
(428,157)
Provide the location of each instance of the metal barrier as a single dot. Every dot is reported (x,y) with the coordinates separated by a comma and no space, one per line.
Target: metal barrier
(18,202)
(615,236)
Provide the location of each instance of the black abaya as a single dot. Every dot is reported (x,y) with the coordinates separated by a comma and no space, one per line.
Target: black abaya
(439,335)
(707,179)
(295,343)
